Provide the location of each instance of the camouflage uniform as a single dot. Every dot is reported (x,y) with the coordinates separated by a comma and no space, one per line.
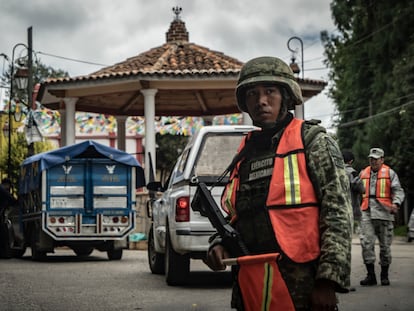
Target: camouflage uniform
(326,170)
(357,189)
(325,167)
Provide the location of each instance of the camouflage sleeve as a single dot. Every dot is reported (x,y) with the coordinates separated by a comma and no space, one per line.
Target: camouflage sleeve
(398,194)
(327,172)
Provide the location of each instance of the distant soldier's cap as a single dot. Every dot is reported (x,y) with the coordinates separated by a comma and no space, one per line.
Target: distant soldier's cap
(376,153)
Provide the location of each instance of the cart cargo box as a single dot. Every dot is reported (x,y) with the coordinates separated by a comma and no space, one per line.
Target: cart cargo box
(80,196)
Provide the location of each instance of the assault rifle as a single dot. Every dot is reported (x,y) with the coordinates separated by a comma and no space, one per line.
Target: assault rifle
(204,202)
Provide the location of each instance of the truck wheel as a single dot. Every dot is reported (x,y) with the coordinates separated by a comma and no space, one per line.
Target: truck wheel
(114,254)
(17,253)
(177,267)
(37,255)
(5,251)
(156,260)
(83,251)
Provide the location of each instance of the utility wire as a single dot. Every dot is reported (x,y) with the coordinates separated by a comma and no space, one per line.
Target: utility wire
(71,59)
(363,120)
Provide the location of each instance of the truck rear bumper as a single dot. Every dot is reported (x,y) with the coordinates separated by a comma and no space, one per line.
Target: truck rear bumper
(187,241)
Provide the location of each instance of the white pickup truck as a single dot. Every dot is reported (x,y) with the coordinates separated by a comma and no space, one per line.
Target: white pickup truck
(177,232)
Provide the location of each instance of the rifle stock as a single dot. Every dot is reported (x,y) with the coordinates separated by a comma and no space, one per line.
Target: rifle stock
(204,202)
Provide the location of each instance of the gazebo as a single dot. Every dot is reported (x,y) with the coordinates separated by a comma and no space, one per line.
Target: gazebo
(178,78)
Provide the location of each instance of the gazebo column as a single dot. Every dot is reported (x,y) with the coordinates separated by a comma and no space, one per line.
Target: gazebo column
(68,121)
(149,111)
(62,112)
(121,132)
(300,112)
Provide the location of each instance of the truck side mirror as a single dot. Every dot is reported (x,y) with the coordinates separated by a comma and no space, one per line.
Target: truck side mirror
(155,186)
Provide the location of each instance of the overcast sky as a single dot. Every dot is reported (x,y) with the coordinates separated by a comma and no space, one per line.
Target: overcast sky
(105,32)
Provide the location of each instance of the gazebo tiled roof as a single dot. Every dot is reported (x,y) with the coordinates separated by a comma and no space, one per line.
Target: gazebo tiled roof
(190,80)
(177,56)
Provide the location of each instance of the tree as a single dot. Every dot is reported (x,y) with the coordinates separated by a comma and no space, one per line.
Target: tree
(168,151)
(18,154)
(18,142)
(372,67)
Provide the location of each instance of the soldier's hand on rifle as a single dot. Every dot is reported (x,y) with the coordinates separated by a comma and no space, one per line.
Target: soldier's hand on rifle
(215,256)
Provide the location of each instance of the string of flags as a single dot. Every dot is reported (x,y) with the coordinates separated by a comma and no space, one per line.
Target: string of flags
(48,122)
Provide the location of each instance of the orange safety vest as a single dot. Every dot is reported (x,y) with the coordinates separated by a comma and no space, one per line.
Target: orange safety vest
(291,201)
(382,189)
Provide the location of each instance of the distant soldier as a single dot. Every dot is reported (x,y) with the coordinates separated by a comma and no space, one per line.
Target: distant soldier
(382,199)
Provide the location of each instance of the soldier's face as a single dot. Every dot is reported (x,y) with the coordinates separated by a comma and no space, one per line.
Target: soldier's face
(375,163)
(263,103)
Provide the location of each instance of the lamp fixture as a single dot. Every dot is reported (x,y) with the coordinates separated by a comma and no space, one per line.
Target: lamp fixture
(22,78)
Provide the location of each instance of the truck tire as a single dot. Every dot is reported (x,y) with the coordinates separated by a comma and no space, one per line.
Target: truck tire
(114,254)
(156,260)
(17,253)
(177,267)
(5,251)
(37,255)
(8,250)
(83,251)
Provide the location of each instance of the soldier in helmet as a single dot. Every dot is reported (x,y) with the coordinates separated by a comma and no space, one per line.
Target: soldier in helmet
(288,198)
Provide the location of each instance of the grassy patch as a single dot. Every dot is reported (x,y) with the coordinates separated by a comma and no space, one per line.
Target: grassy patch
(400,230)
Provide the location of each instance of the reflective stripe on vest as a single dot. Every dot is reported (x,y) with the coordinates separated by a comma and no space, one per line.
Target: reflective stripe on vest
(262,285)
(228,198)
(382,188)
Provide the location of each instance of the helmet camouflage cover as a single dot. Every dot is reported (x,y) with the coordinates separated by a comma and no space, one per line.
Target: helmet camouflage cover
(268,69)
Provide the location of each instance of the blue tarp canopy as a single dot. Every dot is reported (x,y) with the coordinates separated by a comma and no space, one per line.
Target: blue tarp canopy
(85,149)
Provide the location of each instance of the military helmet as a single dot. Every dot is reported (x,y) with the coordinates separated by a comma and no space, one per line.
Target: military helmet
(272,70)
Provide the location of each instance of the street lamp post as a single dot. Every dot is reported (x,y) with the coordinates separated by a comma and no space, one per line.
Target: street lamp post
(24,80)
(30,150)
(299,110)
(294,51)
(21,84)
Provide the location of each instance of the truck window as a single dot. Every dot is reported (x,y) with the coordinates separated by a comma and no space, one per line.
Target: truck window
(216,154)
(183,161)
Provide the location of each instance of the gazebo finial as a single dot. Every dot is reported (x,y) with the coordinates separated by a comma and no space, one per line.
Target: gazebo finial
(177,10)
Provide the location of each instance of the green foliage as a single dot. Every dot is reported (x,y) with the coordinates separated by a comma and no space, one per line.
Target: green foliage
(40,73)
(168,151)
(372,66)
(19,152)
(19,146)
(401,230)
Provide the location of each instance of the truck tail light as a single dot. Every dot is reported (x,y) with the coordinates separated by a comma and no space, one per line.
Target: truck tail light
(182,209)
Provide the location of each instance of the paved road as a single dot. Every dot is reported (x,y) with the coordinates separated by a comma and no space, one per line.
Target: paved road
(65,282)
(399,296)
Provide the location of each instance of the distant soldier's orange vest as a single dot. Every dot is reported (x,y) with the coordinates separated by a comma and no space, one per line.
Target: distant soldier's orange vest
(382,189)
(291,200)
